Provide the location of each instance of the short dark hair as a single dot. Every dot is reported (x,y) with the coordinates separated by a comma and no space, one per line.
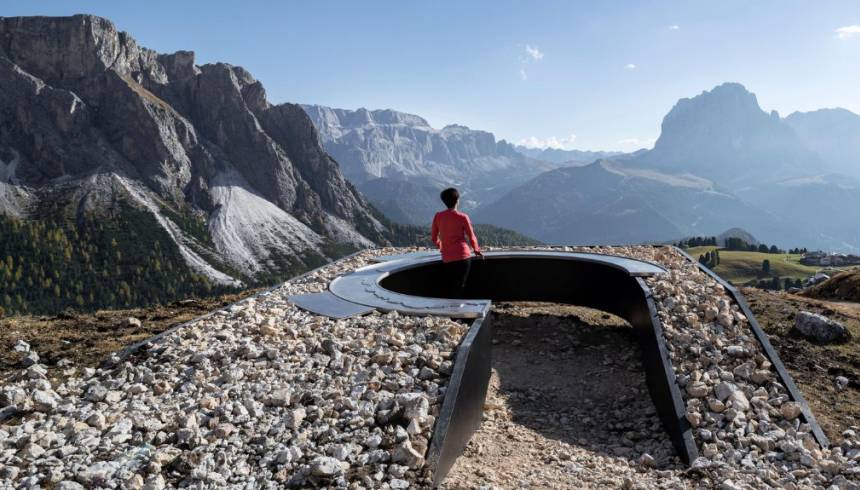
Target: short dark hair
(450,196)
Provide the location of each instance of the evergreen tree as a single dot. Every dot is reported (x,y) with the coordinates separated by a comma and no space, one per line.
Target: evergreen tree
(48,266)
(765,266)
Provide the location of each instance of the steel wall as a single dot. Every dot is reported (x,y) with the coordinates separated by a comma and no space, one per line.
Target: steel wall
(463,407)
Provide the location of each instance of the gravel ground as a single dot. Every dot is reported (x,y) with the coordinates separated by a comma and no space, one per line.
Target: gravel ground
(265,395)
(261,394)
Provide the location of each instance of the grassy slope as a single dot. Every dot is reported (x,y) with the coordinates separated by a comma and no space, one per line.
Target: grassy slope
(741,267)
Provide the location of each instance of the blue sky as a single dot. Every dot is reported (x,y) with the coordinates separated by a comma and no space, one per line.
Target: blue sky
(588,75)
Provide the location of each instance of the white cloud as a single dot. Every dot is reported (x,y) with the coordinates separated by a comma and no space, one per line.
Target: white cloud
(637,142)
(534,53)
(848,32)
(564,143)
(630,66)
(674,27)
(531,55)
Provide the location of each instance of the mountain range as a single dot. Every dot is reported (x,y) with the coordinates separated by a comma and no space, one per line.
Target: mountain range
(93,125)
(720,161)
(567,157)
(401,163)
(129,176)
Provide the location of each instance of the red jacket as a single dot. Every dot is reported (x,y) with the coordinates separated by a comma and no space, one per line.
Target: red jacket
(449,232)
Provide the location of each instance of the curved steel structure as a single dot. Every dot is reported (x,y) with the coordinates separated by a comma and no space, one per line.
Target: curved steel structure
(415,284)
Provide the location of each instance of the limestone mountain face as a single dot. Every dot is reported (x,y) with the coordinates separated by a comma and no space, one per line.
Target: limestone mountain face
(85,109)
(386,144)
(724,135)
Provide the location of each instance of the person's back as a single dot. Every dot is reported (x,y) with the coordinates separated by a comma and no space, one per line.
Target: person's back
(452,233)
(451,229)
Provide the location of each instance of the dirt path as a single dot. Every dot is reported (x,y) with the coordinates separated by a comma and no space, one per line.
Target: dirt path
(567,406)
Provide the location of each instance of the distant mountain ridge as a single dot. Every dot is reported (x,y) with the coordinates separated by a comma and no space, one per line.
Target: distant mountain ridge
(720,162)
(609,202)
(834,134)
(560,156)
(372,144)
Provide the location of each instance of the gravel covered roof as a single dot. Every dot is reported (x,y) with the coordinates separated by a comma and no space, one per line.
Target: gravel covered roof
(263,394)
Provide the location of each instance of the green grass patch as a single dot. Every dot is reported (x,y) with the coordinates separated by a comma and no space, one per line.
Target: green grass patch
(745,267)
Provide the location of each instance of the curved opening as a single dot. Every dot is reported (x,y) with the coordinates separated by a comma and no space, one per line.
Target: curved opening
(553,280)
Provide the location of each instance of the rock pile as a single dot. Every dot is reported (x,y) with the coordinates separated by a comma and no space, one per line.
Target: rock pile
(258,395)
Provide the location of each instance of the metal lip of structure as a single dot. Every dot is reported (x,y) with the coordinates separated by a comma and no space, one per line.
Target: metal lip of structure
(329,305)
(362,286)
(634,267)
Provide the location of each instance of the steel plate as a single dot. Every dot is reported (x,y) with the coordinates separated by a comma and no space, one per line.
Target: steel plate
(329,305)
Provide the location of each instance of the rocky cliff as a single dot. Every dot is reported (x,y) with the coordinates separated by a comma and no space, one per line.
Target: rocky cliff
(395,146)
(88,118)
(723,134)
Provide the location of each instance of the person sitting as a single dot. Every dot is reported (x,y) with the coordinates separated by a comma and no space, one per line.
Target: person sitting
(450,231)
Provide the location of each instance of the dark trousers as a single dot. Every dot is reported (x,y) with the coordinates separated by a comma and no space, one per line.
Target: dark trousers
(456,275)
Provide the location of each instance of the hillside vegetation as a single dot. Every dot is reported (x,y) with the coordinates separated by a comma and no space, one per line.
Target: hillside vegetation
(107,262)
(47,265)
(741,267)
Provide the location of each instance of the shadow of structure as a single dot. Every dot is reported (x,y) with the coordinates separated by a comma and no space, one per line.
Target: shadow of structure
(572,375)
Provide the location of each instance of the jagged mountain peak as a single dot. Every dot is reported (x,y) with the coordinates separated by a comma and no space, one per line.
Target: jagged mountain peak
(728,101)
(80,98)
(723,134)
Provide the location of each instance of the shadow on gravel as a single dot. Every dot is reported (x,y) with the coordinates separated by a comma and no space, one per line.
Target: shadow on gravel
(575,375)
